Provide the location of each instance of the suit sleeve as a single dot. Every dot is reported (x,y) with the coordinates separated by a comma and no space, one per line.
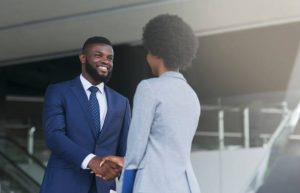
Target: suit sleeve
(144,107)
(124,131)
(55,128)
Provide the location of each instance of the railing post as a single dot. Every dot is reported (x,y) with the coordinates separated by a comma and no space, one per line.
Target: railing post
(285,107)
(221,129)
(30,140)
(246,124)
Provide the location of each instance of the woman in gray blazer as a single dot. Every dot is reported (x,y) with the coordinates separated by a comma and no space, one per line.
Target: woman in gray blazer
(166,112)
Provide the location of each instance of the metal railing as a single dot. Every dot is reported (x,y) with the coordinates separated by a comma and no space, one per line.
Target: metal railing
(283,131)
(221,134)
(12,144)
(20,159)
(14,171)
(30,129)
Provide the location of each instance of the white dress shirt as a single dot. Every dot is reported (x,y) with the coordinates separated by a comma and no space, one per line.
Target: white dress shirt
(101,97)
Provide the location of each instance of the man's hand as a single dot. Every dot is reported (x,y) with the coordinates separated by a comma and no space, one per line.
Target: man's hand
(109,170)
(95,164)
(116,159)
(106,168)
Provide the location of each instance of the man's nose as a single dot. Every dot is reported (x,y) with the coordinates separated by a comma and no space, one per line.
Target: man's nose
(105,60)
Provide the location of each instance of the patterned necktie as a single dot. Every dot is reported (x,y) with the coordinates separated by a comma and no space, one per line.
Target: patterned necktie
(95,108)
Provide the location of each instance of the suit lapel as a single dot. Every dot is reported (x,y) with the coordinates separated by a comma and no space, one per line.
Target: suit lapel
(80,94)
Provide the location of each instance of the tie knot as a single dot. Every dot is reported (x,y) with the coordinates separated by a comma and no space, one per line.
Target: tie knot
(93,89)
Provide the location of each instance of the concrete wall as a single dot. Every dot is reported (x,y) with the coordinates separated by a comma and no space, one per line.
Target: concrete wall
(227,171)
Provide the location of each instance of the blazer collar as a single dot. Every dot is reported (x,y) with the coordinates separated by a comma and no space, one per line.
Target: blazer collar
(172,74)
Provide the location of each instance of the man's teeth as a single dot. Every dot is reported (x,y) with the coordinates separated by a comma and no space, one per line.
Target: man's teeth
(103,68)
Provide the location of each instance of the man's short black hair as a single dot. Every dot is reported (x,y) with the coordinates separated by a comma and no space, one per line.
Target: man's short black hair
(95,40)
(170,38)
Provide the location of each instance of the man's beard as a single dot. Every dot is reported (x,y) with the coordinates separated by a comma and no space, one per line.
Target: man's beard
(94,74)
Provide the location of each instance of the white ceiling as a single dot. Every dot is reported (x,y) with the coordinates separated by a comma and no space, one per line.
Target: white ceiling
(245,46)
(35,30)
(248,61)
(17,13)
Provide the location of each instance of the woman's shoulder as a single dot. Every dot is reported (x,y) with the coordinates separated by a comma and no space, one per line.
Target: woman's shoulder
(151,83)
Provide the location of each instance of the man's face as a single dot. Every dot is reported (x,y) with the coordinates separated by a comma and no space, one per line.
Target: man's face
(97,63)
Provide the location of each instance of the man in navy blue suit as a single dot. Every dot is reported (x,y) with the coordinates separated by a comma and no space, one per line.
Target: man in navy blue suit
(86,125)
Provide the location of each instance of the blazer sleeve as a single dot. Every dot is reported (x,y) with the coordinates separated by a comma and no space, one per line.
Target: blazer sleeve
(55,128)
(124,131)
(144,107)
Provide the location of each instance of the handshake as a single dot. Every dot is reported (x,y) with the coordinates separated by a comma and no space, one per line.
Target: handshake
(107,168)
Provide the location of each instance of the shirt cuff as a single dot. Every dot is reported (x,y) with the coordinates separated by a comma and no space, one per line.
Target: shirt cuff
(87,159)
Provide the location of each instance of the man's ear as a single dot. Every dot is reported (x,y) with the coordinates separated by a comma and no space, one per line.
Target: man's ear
(82,58)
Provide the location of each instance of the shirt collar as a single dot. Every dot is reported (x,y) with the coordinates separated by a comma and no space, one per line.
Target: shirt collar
(86,84)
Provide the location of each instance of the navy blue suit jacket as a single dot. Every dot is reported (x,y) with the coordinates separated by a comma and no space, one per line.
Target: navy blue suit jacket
(71,135)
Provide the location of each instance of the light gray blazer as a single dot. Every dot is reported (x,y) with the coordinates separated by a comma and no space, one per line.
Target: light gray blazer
(166,112)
